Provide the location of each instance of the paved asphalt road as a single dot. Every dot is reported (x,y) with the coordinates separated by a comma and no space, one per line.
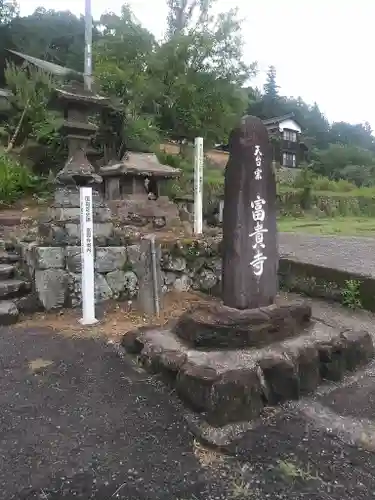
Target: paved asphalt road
(79,422)
(346,253)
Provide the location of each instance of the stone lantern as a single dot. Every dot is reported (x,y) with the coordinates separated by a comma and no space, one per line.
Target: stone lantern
(77,105)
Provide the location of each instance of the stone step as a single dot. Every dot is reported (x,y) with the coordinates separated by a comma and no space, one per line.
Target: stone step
(9,313)
(13,288)
(10,219)
(6,271)
(8,257)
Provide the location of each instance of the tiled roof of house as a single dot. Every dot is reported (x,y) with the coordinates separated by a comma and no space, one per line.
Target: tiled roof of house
(54,69)
(278,119)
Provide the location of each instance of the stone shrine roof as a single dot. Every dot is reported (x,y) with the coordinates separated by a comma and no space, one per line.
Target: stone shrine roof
(78,93)
(144,164)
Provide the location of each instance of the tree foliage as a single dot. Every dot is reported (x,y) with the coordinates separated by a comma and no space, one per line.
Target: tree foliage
(189,84)
(193,82)
(31,92)
(55,36)
(8,10)
(337,150)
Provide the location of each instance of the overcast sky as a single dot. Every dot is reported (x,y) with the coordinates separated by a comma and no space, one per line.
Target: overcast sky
(321,48)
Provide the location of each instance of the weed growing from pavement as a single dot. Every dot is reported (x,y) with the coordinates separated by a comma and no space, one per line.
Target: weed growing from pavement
(290,471)
(37,366)
(241,489)
(207,457)
(351,296)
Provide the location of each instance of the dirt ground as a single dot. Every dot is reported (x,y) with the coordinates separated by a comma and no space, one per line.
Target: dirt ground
(114,319)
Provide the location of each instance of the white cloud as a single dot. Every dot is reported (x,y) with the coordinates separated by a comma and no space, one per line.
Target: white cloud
(320,47)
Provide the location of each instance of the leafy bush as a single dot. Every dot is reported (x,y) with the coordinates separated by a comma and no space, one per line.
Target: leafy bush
(321,183)
(306,179)
(360,175)
(213,180)
(351,294)
(140,134)
(17,180)
(354,164)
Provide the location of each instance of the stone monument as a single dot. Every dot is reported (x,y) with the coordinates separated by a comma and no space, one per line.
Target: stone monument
(250,256)
(248,315)
(228,359)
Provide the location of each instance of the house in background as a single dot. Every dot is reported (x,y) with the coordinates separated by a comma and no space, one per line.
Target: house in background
(288,148)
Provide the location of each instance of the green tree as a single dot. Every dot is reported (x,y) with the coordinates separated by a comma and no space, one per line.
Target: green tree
(202,71)
(31,120)
(271,89)
(267,104)
(272,105)
(8,10)
(55,36)
(122,67)
(359,135)
(184,15)
(188,85)
(343,161)
(121,60)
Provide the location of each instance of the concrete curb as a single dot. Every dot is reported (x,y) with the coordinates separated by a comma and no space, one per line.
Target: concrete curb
(324,282)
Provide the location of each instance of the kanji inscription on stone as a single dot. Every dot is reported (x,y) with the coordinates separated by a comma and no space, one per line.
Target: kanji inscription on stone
(250,255)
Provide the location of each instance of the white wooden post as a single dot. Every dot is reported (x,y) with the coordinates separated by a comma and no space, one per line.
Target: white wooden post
(221,210)
(198,185)
(87,256)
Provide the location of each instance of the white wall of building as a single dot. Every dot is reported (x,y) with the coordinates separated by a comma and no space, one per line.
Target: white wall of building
(290,125)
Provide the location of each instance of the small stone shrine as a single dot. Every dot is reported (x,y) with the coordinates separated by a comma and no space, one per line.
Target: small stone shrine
(133,186)
(230,359)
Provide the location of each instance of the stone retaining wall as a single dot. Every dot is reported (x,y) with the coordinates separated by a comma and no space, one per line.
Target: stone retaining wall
(56,270)
(186,264)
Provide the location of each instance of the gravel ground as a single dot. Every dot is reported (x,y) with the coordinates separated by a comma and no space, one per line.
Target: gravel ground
(78,421)
(353,254)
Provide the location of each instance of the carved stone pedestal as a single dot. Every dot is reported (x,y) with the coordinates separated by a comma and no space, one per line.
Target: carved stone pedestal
(215,326)
(224,385)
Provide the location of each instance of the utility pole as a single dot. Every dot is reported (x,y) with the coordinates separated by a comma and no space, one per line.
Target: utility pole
(88,45)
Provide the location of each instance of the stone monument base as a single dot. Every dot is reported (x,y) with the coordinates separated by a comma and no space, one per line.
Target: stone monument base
(225,384)
(215,326)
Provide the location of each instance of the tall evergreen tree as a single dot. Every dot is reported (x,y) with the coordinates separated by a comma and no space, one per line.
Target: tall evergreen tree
(272,105)
(271,89)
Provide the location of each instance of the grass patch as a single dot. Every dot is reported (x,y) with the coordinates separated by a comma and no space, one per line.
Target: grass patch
(17,180)
(339,226)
